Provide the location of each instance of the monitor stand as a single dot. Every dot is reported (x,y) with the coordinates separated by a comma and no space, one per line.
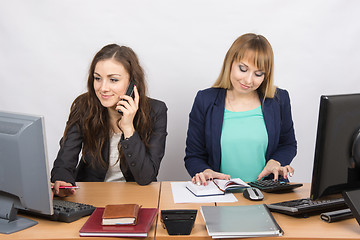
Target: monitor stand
(9,221)
(20,223)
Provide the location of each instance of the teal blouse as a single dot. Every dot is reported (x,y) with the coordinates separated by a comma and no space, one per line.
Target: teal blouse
(244,141)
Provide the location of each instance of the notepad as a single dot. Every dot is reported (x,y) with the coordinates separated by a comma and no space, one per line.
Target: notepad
(240,221)
(216,187)
(182,195)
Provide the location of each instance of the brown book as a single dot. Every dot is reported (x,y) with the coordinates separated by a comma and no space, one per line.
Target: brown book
(120,214)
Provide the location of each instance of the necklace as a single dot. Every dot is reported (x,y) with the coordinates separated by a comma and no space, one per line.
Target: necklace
(243,103)
(231,107)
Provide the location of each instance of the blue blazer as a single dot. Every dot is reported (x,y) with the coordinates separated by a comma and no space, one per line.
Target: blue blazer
(203,148)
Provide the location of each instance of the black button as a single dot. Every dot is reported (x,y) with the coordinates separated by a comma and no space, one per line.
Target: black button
(133,164)
(125,146)
(129,155)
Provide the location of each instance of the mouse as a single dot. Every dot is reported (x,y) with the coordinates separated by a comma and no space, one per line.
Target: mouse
(253,194)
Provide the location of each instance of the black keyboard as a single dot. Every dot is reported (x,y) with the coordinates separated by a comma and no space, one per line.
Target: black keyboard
(66,211)
(274,186)
(306,206)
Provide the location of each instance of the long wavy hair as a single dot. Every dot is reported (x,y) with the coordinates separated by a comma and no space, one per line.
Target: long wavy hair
(92,119)
(258,49)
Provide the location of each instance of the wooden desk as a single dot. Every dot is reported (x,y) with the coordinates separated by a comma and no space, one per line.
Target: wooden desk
(167,202)
(303,228)
(96,194)
(100,194)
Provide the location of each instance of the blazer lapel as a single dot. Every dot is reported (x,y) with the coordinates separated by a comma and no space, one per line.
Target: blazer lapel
(217,117)
(269,118)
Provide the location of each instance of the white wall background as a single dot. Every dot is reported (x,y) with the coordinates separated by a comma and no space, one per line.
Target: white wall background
(46,48)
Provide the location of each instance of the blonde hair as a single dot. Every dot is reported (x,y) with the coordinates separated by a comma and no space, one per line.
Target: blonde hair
(257,49)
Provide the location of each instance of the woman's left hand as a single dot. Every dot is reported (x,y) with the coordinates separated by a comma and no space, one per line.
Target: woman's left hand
(274,167)
(129,107)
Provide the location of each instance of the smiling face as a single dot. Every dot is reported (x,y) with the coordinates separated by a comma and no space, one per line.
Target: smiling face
(255,53)
(245,77)
(110,82)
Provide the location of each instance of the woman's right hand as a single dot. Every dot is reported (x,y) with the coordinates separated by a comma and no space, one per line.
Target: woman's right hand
(129,108)
(208,174)
(62,192)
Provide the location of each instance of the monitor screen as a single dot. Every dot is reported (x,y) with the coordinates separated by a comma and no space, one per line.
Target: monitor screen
(336,161)
(24,173)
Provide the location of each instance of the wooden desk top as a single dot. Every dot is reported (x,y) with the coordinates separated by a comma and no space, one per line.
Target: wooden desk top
(303,228)
(97,194)
(167,202)
(100,194)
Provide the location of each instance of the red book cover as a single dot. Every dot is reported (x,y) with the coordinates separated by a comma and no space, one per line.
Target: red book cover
(93,227)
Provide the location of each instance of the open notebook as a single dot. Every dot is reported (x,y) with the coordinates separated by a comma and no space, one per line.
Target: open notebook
(216,187)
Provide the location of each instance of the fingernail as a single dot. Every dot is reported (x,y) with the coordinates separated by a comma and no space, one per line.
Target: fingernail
(198,183)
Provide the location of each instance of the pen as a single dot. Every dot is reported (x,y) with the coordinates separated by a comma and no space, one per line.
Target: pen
(67,187)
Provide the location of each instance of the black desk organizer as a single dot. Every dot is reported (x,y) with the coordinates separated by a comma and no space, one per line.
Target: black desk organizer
(178,222)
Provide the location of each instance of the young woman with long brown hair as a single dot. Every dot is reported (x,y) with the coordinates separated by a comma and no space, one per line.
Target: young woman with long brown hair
(119,137)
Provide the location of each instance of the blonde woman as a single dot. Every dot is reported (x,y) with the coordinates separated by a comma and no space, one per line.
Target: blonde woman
(242,126)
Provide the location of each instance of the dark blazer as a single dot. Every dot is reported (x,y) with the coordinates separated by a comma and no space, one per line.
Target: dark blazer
(203,148)
(141,165)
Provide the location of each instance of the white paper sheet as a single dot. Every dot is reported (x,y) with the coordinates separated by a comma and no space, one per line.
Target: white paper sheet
(182,195)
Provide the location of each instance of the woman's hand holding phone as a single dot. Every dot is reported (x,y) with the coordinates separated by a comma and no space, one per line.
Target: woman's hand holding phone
(128,107)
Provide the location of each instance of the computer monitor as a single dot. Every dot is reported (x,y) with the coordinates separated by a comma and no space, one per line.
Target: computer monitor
(337,151)
(24,173)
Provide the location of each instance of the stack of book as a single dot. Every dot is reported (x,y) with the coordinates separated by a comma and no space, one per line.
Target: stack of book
(122,220)
(240,221)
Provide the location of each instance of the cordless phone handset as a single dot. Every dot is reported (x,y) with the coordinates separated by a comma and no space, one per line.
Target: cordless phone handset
(129,92)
